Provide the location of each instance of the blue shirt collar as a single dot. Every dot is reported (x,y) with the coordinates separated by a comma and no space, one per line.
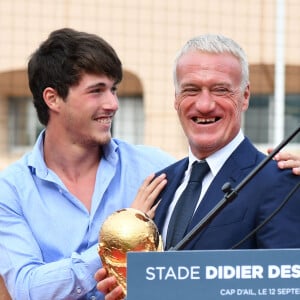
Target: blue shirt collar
(38,166)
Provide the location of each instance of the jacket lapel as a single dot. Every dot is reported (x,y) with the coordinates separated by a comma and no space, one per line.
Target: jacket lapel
(234,170)
(175,174)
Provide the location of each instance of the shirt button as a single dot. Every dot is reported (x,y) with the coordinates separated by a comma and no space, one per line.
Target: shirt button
(93,298)
(78,290)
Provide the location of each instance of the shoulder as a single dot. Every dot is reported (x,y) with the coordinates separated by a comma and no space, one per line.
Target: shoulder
(144,153)
(176,167)
(250,159)
(15,180)
(16,169)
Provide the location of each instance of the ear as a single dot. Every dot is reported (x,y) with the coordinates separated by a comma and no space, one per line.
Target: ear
(246,98)
(51,98)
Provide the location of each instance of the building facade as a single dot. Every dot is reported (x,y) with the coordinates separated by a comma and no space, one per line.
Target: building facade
(147,35)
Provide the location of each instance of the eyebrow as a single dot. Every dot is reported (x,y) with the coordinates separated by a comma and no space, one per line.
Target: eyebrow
(96,85)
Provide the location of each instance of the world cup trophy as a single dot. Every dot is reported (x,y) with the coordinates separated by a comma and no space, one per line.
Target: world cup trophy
(126,230)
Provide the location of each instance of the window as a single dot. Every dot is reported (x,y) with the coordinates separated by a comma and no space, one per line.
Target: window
(128,123)
(23,124)
(258,121)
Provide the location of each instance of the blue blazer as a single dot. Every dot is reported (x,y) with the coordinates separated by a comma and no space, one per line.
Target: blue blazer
(253,204)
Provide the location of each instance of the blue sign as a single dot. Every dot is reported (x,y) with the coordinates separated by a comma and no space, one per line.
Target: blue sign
(214,275)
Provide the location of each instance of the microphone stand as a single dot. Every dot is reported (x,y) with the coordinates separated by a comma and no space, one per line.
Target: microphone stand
(230,195)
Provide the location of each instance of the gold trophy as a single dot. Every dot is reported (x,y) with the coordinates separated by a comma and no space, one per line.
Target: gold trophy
(126,230)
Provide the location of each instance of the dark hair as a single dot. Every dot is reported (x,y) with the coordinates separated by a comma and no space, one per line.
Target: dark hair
(63,58)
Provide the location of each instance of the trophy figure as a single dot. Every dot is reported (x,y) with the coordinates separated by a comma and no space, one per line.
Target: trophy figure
(126,230)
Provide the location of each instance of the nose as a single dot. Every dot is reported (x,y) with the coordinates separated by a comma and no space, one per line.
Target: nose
(205,102)
(111,101)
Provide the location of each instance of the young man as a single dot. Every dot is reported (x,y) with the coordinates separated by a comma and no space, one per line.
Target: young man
(211,94)
(54,200)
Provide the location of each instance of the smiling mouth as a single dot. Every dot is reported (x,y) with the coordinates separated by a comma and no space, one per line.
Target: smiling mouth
(205,120)
(104,120)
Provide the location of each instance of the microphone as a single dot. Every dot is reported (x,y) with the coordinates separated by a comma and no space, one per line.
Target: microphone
(231,194)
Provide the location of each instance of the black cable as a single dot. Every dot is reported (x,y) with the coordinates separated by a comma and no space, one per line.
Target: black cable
(268,218)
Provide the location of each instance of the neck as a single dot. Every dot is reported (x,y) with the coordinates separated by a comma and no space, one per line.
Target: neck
(68,160)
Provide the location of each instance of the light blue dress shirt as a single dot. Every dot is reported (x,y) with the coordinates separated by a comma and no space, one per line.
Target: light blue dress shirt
(48,239)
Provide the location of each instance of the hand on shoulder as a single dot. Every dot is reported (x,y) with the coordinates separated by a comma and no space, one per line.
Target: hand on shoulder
(148,193)
(287,160)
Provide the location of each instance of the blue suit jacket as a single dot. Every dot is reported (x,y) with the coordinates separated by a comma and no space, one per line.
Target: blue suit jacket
(253,204)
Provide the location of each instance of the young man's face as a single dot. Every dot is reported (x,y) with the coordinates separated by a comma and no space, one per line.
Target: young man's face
(88,110)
